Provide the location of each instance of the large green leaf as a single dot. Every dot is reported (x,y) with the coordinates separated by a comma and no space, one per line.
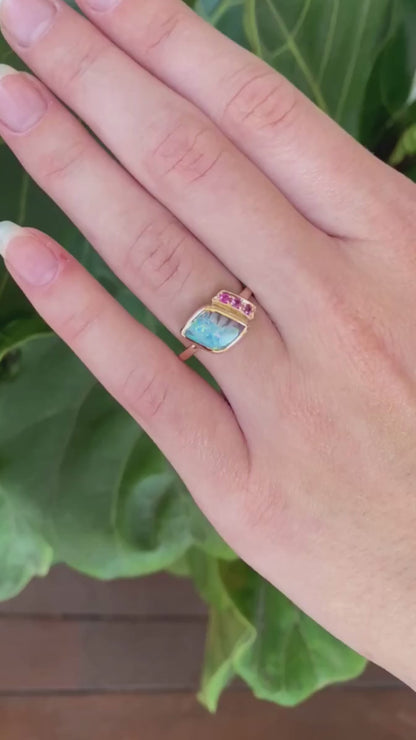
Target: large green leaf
(328,48)
(230,634)
(256,633)
(81,479)
(292,656)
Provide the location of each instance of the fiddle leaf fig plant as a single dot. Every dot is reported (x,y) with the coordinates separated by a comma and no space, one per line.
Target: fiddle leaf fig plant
(80,482)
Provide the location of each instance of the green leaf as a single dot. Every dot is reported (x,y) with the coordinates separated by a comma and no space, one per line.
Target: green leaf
(82,477)
(328,48)
(405,147)
(230,634)
(386,106)
(18,332)
(258,634)
(24,551)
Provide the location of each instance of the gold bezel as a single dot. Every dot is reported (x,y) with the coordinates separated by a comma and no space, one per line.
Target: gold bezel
(224,310)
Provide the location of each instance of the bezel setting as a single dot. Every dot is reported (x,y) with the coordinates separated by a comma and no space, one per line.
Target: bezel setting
(230,305)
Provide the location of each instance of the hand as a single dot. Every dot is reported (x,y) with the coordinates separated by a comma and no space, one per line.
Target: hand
(223,175)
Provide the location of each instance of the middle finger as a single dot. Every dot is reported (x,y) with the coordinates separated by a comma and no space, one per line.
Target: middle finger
(180,156)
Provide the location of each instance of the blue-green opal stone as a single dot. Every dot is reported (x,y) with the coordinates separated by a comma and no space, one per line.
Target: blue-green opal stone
(213,330)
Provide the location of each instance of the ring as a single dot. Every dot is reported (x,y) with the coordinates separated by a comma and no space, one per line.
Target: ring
(220,325)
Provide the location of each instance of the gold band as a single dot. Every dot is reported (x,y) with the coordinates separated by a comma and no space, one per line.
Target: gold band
(188,353)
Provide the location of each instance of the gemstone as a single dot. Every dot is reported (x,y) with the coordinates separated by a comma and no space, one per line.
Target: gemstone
(248,309)
(236,302)
(213,331)
(225,298)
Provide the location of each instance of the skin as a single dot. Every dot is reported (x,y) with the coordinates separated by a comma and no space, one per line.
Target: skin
(223,175)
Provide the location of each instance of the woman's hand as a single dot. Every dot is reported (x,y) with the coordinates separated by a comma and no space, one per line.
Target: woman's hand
(223,174)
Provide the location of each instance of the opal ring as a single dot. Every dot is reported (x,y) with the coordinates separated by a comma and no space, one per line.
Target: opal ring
(220,325)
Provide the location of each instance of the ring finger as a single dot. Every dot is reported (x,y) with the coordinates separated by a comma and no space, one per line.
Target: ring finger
(176,407)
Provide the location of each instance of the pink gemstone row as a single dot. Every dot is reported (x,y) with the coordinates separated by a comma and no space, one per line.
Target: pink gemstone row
(236,302)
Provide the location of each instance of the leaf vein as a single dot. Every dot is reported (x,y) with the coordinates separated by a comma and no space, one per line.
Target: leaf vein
(303,66)
(330,40)
(353,61)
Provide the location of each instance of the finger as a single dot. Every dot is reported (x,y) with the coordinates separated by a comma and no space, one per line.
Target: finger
(150,251)
(334,181)
(188,420)
(180,156)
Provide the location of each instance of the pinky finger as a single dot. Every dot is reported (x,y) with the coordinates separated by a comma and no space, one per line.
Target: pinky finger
(191,423)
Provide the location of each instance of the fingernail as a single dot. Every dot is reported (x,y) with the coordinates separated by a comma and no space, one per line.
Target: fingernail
(8,231)
(27,20)
(21,102)
(101,6)
(27,255)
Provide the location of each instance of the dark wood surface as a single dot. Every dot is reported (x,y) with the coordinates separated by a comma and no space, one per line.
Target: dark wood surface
(81,659)
(346,715)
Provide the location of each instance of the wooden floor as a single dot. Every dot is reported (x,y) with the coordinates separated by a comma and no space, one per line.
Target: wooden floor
(81,660)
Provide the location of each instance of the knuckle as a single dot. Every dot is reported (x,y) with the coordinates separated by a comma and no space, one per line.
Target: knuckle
(82,63)
(144,394)
(359,336)
(78,325)
(263,102)
(188,152)
(374,359)
(158,257)
(160,28)
(58,163)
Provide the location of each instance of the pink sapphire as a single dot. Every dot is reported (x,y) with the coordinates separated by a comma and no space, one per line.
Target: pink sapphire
(224,298)
(236,302)
(248,310)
